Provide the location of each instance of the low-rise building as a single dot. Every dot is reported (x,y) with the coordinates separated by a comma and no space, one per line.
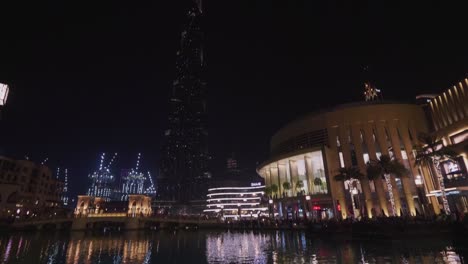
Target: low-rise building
(236,199)
(309,152)
(91,206)
(27,189)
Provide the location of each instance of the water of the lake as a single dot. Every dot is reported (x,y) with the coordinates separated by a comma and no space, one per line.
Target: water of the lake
(222,247)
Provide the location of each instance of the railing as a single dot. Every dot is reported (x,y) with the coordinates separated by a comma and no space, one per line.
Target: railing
(108,215)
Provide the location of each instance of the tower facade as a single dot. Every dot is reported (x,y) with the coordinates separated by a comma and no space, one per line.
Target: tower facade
(184,165)
(102,180)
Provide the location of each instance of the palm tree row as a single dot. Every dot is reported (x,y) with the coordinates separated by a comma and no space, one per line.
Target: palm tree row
(273,189)
(430,152)
(376,169)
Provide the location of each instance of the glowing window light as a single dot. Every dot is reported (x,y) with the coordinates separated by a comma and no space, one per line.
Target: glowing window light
(242,215)
(238,204)
(234,198)
(236,188)
(234,193)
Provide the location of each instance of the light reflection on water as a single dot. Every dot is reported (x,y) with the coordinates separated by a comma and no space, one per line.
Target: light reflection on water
(220,247)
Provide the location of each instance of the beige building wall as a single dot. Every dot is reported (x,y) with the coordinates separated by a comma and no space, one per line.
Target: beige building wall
(351,135)
(139,205)
(449,114)
(28,186)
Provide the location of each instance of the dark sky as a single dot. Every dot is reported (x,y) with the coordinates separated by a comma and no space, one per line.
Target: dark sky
(92,77)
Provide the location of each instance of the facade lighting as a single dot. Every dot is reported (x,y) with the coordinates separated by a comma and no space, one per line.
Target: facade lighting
(4,89)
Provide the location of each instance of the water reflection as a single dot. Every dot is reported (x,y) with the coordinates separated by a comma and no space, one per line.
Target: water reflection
(221,247)
(108,249)
(237,247)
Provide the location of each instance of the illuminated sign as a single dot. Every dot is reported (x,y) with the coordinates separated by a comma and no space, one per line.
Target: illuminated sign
(254,184)
(316,207)
(3,93)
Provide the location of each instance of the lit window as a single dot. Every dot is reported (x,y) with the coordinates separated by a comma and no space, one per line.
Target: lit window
(341,159)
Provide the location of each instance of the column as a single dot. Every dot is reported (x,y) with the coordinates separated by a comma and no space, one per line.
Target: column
(464,95)
(267,177)
(378,183)
(406,179)
(356,139)
(282,176)
(294,176)
(309,174)
(275,179)
(382,138)
(346,148)
(429,186)
(333,163)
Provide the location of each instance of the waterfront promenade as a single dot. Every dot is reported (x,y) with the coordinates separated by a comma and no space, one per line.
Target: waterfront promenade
(369,228)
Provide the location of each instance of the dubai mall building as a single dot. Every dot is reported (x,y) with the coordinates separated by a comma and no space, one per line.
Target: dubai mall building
(306,154)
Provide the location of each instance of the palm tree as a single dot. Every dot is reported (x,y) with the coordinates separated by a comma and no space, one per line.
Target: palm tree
(299,185)
(286,186)
(274,188)
(349,175)
(268,191)
(318,182)
(384,167)
(431,151)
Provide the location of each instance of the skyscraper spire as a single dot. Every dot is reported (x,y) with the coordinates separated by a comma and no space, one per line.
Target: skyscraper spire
(184,164)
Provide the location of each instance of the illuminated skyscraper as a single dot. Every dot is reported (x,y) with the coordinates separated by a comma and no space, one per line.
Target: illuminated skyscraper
(102,180)
(134,182)
(184,164)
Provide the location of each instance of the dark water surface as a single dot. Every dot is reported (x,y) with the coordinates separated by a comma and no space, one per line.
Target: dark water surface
(222,247)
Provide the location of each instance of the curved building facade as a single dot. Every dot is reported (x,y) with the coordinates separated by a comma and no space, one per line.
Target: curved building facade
(236,201)
(308,152)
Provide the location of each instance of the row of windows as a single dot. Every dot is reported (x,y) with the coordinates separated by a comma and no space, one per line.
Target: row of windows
(303,141)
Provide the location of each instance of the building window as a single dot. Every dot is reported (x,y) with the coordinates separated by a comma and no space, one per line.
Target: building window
(341,159)
(366,157)
(454,170)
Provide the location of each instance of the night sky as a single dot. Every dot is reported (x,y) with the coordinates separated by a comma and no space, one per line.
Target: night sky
(95,77)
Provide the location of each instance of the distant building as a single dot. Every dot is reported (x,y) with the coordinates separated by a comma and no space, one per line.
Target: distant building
(65,194)
(137,205)
(28,189)
(235,199)
(135,182)
(102,184)
(102,180)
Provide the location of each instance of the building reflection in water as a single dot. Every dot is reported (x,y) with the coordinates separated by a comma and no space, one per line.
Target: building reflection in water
(222,247)
(130,248)
(237,247)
